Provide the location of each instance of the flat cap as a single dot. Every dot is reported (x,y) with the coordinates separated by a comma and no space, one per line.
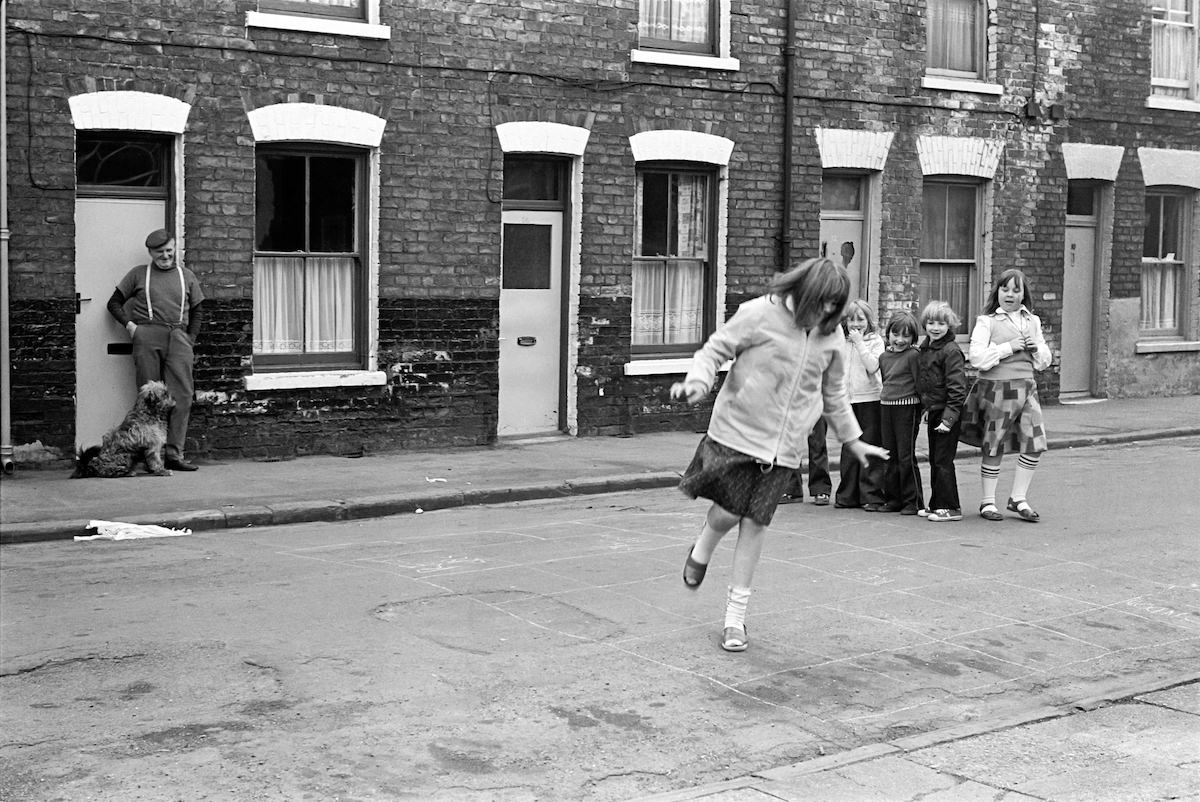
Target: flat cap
(159,238)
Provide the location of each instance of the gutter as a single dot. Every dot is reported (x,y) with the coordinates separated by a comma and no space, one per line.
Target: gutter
(6,447)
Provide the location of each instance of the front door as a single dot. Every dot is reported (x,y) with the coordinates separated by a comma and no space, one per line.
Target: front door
(530,323)
(1079,287)
(109,237)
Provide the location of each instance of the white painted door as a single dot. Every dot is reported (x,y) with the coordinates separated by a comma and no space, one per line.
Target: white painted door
(530,323)
(1079,276)
(109,233)
(842,241)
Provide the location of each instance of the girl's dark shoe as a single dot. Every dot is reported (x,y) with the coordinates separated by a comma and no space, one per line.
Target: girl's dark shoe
(988,512)
(693,572)
(1027,513)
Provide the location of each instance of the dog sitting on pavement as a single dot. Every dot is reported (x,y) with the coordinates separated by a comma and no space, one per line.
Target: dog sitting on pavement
(139,438)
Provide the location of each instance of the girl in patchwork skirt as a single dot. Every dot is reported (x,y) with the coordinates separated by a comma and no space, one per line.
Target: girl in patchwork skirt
(788,370)
(1002,410)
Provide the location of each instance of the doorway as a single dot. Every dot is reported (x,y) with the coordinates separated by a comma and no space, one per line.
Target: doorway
(121,196)
(530,323)
(1079,288)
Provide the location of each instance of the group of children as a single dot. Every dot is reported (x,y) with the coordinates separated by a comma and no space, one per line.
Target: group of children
(806,357)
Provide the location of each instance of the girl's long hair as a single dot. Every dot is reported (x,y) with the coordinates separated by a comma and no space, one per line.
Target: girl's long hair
(868,313)
(993,301)
(809,286)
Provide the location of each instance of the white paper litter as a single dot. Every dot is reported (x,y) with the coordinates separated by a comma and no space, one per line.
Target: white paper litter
(116,530)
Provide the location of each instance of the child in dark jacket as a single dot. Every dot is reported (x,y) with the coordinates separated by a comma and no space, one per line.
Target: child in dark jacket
(900,415)
(942,386)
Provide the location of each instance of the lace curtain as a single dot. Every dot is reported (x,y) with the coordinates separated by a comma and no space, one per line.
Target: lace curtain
(1160,288)
(303,304)
(952,35)
(677,20)
(1173,48)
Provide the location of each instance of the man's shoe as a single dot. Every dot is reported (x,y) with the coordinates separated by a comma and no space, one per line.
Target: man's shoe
(179,464)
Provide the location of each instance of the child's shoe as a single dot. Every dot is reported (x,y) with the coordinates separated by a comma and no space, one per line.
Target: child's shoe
(872,508)
(945,515)
(909,509)
(923,512)
(893,506)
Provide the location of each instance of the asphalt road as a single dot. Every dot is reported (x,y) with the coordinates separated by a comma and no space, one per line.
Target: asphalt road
(548,650)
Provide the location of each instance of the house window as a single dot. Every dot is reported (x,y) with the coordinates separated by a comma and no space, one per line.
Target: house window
(308,259)
(672,268)
(950,246)
(1164,259)
(337,9)
(1174,49)
(956,38)
(684,25)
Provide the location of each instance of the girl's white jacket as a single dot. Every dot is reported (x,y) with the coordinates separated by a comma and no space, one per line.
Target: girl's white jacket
(782,380)
(863,382)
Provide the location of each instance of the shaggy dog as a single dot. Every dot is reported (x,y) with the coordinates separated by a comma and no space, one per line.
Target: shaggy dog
(139,438)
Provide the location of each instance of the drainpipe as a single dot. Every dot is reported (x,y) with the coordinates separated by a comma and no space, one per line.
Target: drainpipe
(6,448)
(789,126)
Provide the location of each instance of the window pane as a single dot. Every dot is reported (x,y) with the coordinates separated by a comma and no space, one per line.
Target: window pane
(331,190)
(278,305)
(933,221)
(949,283)
(120,162)
(1160,296)
(1081,198)
(1173,50)
(1172,228)
(321,8)
(526,257)
(960,222)
(952,38)
(1152,235)
(533,180)
(689,223)
(686,21)
(279,203)
(655,208)
(841,193)
(668,302)
(649,279)
(329,311)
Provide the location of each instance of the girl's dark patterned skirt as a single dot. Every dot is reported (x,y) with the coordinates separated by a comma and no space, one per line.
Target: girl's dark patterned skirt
(735,482)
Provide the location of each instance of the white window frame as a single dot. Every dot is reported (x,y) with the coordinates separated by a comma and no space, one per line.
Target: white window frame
(720,59)
(1185,263)
(1191,86)
(369,28)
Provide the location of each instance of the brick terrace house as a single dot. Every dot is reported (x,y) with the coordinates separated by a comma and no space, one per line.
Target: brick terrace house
(441,222)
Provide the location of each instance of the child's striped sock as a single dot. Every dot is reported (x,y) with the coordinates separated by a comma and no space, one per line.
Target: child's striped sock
(1026,465)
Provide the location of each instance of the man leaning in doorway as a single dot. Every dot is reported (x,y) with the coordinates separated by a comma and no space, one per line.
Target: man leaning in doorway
(159,304)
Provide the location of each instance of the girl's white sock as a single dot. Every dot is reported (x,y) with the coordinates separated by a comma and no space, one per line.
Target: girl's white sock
(1026,465)
(735,607)
(989,476)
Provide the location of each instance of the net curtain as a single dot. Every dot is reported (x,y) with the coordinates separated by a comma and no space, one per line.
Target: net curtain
(952,39)
(303,304)
(677,20)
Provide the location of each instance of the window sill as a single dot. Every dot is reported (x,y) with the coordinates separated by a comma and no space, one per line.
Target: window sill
(315,378)
(684,60)
(663,367)
(961,85)
(1172,103)
(1165,346)
(291,22)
